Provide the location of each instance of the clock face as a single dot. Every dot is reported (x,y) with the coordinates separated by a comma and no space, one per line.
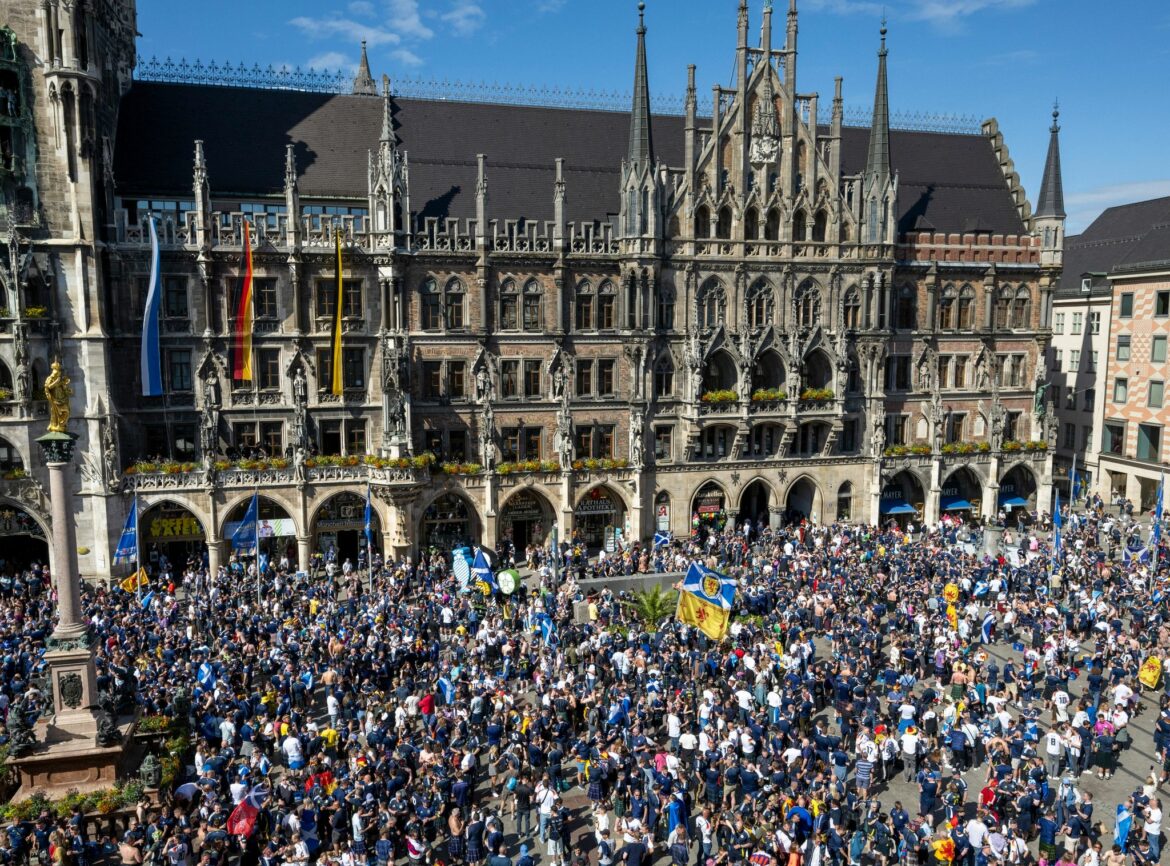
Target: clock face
(507,582)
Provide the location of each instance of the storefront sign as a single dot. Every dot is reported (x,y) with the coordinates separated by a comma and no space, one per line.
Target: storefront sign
(278,527)
(174,526)
(603,505)
(663,518)
(523,506)
(709,503)
(341,513)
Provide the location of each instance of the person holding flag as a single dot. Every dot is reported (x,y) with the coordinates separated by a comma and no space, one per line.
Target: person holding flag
(705,600)
(481,574)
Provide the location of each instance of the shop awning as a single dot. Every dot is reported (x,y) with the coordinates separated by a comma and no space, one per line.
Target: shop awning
(955,503)
(897,506)
(1012,502)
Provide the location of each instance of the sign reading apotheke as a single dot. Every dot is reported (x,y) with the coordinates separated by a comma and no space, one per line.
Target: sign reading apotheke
(601,505)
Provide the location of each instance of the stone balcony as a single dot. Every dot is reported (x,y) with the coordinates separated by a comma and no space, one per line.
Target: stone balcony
(242,478)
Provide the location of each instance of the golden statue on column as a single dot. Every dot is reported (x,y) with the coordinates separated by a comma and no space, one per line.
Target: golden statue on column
(57,392)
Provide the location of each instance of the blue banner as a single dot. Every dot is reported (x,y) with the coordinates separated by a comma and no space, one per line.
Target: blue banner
(244,538)
(127,549)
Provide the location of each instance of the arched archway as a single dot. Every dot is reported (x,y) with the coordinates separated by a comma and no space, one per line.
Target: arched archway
(449,521)
(903,497)
(768,372)
(599,518)
(818,371)
(340,524)
(11,463)
(276,531)
(719,373)
(525,518)
(801,501)
(754,502)
(845,501)
(170,533)
(23,539)
(709,507)
(1017,490)
(962,493)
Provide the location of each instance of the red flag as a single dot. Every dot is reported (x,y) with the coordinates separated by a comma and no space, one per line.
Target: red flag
(242,820)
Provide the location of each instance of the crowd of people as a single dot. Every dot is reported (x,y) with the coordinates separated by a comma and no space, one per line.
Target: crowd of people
(884,695)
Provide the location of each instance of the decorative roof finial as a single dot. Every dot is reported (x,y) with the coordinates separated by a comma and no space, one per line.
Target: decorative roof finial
(642,16)
(1055,116)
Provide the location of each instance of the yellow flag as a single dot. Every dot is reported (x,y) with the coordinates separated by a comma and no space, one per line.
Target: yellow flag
(952,616)
(711,619)
(135,581)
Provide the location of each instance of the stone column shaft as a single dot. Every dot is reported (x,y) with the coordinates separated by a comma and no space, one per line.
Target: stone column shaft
(70,625)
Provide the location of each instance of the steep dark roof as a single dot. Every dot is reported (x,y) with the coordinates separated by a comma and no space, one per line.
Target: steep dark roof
(1050,202)
(947,182)
(1114,238)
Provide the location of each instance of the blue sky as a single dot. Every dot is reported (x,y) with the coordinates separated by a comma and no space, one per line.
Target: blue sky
(1107,63)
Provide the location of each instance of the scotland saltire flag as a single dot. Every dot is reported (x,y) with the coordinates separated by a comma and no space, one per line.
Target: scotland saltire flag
(1129,553)
(447,690)
(307,680)
(988,626)
(661,539)
(481,573)
(151,360)
(548,629)
(206,676)
(244,538)
(127,548)
(369,519)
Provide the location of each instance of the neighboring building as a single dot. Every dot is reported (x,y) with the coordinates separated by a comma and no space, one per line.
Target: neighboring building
(1133,450)
(642,321)
(1078,361)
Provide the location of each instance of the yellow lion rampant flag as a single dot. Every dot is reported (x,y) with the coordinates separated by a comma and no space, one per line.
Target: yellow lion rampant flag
(705,601)
(135,581)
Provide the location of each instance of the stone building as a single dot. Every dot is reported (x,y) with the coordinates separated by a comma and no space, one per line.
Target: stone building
(616,322)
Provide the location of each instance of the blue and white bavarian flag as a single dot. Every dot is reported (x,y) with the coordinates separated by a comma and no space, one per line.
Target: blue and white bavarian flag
(151,360)
(127,549)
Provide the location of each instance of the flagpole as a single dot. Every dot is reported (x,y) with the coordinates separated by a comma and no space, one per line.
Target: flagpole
(137,547)
(369,540)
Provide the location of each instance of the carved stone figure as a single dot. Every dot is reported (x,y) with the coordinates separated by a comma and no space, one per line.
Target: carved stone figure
(559,382)
(927,365)
(997,424)
(877,438)
(396,414)
(107,721)
(563,439)
(637,435)
(211,390)
(110,451)
(20,735)
(300,388)
(482,384)
(299,463)
(23,388)
(487,426)
(58,392)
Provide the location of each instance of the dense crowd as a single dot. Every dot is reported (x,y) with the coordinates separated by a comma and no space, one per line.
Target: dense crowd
(395,715)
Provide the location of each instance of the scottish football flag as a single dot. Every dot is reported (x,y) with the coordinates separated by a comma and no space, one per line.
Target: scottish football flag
(481,573)
(1156,534)
(369,519)
(661,539)
(127,548)
(151,360)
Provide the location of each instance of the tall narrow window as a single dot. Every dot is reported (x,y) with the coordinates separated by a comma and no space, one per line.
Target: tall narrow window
(664,377)
(584,306)
(852,310)
(607,307)
(712,304)
(532,305)
(432,318)
(509,303)
(453,304)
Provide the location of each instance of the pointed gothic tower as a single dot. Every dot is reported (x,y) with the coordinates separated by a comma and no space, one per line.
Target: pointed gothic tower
(389,183)
(879,185)
(1048,220)
(640,194)
(363,82)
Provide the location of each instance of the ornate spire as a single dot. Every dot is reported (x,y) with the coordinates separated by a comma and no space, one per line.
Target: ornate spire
(878,164)
(1051,200)
(765,126)
(387,118)
(363,82)
(290,167)
(641,143)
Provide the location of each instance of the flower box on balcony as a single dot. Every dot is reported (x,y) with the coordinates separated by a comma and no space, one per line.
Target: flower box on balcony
(514,468)
(920,448)
(1011,446)
(461,468)
(817,395)
(593,464)
(769,395)
(1036,445)
(725,396)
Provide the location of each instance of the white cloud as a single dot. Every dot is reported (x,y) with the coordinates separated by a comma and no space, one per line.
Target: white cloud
(405,19)
(943,14)
(1084,207)
(343,28)
(546,6)
(465,17)
(362,8)
(331,60)
(406,57)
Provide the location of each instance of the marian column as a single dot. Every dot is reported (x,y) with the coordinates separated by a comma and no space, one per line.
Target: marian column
(70,657)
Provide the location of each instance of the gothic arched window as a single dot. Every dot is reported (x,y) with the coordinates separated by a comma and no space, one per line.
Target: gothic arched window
(607,306)
(584,306)
(509,306)
(967,307)
(906,310)
(1022,308)
(712,304)
(533,297)
(760,301)
(808,305)
(946,308)
(852,310)
(664,377)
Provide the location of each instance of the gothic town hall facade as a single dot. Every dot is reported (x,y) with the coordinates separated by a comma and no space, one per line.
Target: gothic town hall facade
(616,322)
